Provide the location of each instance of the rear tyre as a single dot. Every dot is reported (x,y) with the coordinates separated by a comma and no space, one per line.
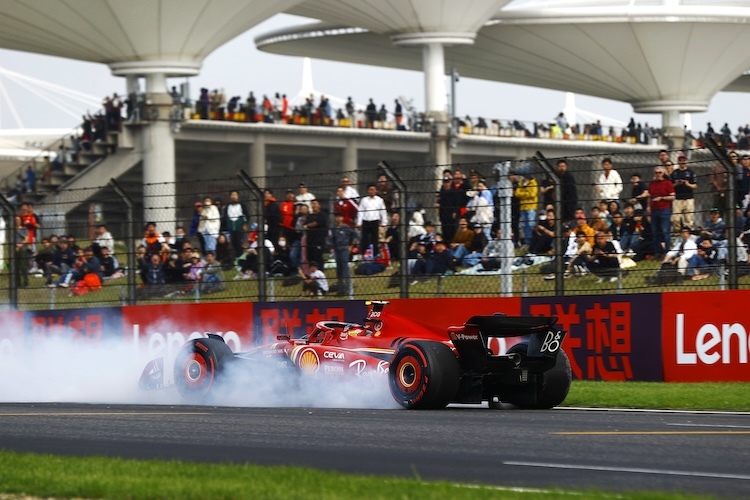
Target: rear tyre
(199,364)
(424,375)
(551,387)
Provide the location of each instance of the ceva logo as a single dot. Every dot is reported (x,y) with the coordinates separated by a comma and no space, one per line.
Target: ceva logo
(711,344)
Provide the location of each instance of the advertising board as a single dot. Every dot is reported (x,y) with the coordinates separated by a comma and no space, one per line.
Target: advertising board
(705,336)
(298,318)
(610,337)
(162,329)
(441,313)
(675,337)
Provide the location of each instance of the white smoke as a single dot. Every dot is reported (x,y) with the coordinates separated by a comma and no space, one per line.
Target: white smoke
(248,384)
(60,367)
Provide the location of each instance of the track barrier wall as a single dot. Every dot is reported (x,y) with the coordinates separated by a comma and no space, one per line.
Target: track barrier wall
(672,337)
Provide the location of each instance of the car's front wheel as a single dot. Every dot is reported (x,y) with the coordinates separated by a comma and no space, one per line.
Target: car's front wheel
(424,375)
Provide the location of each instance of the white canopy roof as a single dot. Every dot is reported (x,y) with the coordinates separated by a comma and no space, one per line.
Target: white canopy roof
(657,55)
(179,34)
(403,16)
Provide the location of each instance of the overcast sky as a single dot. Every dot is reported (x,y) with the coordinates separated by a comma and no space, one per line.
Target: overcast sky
(239,67)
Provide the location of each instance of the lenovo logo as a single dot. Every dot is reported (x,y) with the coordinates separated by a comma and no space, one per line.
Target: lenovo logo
(711,344)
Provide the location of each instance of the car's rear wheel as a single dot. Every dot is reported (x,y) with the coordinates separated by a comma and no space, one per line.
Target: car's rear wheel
(198,365)
(424,375)
(550,388)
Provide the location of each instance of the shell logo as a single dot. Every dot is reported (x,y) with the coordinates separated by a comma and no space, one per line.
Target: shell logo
(308,361)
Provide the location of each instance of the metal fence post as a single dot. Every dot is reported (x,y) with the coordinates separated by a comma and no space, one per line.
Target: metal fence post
(721,156)
(402,230)
(558,241)
(10,228)
(257,193)
(504,196)
(129,241)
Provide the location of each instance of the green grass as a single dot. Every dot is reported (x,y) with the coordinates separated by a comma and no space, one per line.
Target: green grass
(50,476)
(526,282)
(726,396)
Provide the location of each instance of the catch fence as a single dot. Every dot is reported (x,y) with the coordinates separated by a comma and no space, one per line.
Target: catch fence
(521,266)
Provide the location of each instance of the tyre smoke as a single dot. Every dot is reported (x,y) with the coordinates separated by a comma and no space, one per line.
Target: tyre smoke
(62,367)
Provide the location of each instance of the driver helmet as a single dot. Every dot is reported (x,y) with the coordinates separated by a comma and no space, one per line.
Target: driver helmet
(355,331)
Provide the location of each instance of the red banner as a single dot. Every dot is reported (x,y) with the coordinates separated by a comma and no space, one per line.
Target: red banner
(299,318)
(705,336)
(441,313)
(163,329)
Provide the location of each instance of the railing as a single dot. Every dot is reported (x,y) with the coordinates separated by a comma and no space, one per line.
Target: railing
(415,121)
(56,155)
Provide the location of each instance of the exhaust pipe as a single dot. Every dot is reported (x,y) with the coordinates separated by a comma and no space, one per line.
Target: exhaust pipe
(515,358)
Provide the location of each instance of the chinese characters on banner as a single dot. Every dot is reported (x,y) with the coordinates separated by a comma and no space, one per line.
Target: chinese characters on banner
(299,318)
(609,337)
(90,325)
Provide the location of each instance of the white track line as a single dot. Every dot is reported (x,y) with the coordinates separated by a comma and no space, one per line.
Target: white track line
(713,425)
(643,410)
(634,470)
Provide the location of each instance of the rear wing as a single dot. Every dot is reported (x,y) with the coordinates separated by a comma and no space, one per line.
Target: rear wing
(544,338)
(510,326)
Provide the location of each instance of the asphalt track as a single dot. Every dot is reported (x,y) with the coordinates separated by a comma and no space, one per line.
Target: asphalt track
(698,453)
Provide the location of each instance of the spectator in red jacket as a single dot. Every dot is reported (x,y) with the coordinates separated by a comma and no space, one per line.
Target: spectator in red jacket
(347,207)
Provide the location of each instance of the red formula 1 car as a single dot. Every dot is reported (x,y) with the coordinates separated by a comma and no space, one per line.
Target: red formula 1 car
(424,368)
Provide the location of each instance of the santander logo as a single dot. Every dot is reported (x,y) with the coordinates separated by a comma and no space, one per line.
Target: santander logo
(711,344)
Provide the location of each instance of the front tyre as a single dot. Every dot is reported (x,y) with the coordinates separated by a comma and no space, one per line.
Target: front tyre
(424,375)
(198,365)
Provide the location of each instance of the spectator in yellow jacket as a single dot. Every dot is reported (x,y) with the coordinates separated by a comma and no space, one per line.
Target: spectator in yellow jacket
(527,193)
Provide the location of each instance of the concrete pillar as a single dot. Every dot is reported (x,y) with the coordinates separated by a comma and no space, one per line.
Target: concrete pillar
(156,83)
(258,160)
(132,85)
(157,141)
(672,130)
(436,103)
(159,201)
(349,162)
(433,64)
(672,127)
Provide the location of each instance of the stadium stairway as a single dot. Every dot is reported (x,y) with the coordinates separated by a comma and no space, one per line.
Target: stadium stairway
(94,168)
